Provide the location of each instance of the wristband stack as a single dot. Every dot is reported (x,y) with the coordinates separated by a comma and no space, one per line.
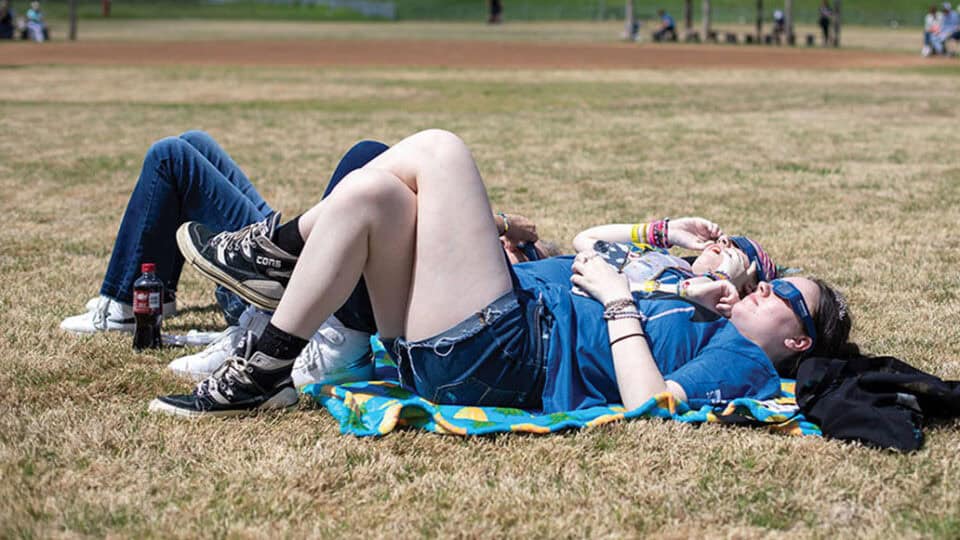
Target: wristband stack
(655,233)
(623,308)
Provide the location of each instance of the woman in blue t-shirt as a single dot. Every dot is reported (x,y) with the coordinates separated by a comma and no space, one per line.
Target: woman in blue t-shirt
(468,328)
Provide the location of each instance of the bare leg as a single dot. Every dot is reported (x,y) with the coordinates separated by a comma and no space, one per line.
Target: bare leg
(367,226)
(453,268)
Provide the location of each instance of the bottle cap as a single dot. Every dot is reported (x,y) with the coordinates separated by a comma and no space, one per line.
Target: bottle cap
(148,267)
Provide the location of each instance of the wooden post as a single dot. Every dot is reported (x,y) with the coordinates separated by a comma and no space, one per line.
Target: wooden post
(836,23)
(73,20)
(706,20)
(788,16)
(759,21)
(687,16)
(629,22)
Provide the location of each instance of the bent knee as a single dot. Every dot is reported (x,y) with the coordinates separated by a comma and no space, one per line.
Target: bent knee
(196,137)
(374,187)
(439,141)
(168,146)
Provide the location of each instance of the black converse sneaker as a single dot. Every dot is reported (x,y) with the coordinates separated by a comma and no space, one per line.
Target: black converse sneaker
(248,381)
(246,261)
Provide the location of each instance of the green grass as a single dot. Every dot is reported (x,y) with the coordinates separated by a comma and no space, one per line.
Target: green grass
(860,12)
(851,184)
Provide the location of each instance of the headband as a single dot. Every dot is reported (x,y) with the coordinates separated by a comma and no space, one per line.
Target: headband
(766,270)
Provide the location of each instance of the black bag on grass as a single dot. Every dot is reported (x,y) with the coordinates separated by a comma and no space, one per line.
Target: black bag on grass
(880,401)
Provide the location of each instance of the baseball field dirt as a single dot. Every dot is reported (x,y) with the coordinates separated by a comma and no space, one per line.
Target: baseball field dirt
(434,53)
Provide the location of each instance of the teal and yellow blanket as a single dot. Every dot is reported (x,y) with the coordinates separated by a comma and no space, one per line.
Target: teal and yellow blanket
(378,407)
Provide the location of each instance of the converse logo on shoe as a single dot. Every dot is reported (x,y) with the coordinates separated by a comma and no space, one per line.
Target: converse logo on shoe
(267,261)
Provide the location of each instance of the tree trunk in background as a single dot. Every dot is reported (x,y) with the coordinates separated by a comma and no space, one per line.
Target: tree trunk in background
(836,23)
(687,16)
(629,22)
(73,20)
(788,15)
(759,21)
(706,20)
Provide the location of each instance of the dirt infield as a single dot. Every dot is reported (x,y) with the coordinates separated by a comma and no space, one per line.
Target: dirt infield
(445,54)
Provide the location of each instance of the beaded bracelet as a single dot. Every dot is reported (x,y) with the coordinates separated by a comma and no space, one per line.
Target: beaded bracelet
(622,314)
(619,303)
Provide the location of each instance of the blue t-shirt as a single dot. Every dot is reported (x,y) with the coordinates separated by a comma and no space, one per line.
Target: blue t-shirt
(667,21)
(697,349)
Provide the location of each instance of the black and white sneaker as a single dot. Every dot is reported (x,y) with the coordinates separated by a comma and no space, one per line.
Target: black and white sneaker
(247,382)
(246,261)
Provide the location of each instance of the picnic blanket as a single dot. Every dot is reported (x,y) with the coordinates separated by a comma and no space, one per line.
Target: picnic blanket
(372,408)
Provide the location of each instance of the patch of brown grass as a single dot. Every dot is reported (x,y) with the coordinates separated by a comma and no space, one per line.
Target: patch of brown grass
(840,173)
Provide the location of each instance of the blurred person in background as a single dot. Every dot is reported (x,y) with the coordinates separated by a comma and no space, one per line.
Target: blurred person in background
(949,29)
(496,12)
(667,30)
(7,18)
(826,15)
(931,26)
(36,25)
(779,24)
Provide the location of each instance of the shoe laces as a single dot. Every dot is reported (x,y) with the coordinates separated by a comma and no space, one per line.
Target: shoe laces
(242,238)
(233,373)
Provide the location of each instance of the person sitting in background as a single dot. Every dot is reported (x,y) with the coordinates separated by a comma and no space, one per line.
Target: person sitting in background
(779,24)
(36,25)
(949,29)
(7,18)
(931,26)
(667,30)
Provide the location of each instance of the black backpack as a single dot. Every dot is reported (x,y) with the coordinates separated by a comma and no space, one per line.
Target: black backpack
(878,400)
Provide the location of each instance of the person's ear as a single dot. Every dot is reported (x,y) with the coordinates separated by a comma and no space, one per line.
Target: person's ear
(798,344)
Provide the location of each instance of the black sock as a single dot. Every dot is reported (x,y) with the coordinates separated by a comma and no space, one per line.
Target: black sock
(279,344)
(287,237)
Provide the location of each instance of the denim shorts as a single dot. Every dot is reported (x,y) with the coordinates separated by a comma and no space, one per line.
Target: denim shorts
(494,358)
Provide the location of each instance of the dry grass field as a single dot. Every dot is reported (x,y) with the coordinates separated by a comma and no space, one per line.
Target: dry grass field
(850,174)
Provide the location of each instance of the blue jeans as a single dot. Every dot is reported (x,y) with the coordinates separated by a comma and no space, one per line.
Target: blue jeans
(191,178)
(185,178)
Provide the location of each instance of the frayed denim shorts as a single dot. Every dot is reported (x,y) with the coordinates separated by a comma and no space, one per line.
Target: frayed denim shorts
(494,358)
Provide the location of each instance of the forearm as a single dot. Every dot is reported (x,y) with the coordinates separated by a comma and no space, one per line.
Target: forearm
(638,377)
(615,232)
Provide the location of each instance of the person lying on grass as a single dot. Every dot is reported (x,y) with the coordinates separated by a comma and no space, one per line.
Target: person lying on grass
(468,328)
(190,177)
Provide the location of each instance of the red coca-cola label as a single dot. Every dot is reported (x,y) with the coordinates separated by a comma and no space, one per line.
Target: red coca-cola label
(146,302)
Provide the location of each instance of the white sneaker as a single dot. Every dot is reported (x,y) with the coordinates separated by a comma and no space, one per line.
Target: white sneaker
(335,354)
(106,315)
(169,308)
(201,365)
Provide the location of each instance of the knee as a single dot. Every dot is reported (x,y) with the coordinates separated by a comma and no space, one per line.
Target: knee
(166,148)
(439,141)
(195,137)
(375,189)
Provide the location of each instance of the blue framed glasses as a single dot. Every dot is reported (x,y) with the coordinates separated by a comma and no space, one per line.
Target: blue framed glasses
(784,289)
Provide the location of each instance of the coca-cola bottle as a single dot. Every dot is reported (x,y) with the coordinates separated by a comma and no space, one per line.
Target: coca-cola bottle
(147,308)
